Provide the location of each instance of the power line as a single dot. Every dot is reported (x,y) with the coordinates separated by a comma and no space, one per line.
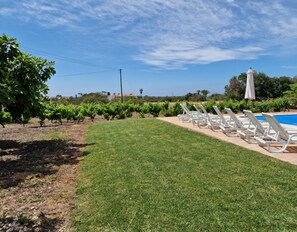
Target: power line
(69,59)
(80,74)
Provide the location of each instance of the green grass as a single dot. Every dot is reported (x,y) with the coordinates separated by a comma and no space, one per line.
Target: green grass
(147,175)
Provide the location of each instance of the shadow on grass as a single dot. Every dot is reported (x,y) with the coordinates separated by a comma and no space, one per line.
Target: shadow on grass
(19,223)
(18,160)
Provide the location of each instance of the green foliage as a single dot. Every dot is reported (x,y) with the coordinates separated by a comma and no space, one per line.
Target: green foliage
(71,112)
(236,88)
(217,97)
(53,113)
(89,110)
(165,105)
(176,109)
(137,107)
(208,106)
(145,109)
(57,113)
(22,81)
(5,117)
(271,105)
(99,109)
(171,111)
(78,116)
(200,95)
(113,110)
(280,104)
(24,119)
(265,86)
(154,109)
(165,98)
(292,94)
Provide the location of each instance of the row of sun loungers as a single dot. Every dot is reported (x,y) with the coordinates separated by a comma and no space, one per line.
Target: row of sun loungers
(271,134)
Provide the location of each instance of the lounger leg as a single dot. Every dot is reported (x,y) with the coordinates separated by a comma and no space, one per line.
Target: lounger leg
(275,150)
(214,129)
(230,134)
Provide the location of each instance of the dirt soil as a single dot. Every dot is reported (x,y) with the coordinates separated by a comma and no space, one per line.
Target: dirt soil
(38,171)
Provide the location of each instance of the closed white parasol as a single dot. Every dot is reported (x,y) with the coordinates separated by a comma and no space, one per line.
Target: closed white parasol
(250,87)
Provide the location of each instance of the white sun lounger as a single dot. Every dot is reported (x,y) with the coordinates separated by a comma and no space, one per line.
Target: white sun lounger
(224,120)
(228,127)
(201,114)
(187,115)
(239,125)
(200,120)
(209,114)
(257,129)
(213,121)
(282,137)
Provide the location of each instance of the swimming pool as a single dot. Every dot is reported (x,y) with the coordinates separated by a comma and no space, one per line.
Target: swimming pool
(285,119)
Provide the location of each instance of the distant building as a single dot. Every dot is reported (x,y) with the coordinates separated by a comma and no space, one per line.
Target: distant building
(118,95)
(124,95)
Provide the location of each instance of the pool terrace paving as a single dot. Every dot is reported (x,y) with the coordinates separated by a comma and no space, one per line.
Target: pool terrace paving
(289,155)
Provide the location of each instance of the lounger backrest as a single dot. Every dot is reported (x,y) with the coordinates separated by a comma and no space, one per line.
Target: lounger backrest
(208,117)
(233,117)
(254,121)
(219,114)
(185,108)
(196,108)
(276,126)
(205,113)
(203,109)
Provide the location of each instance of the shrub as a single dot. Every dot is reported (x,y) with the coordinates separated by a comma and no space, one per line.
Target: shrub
(5,117)
(154,109)
(176,109)
(89,110)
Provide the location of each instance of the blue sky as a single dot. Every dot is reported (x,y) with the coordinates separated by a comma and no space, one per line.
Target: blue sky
(165,47)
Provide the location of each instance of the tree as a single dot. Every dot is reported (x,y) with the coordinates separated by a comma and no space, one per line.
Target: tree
(198,92)
(204,93)
(22,80)
(236,88)
(188,96)
(285,83)
(141,91)
(198,96)
(265,86)
(292,94)
(217,96)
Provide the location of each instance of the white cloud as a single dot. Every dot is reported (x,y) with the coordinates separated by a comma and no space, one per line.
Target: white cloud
(172,34)
(49,14)
(6,11)
(169,58)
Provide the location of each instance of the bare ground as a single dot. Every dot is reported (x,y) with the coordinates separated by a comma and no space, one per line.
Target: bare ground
(38,170)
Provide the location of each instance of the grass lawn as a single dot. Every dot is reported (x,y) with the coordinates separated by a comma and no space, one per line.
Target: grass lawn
(148,175)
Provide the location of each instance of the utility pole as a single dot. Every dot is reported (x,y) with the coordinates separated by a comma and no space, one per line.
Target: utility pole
(121,85)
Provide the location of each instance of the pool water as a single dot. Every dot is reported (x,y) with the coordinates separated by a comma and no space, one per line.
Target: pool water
(285,119)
